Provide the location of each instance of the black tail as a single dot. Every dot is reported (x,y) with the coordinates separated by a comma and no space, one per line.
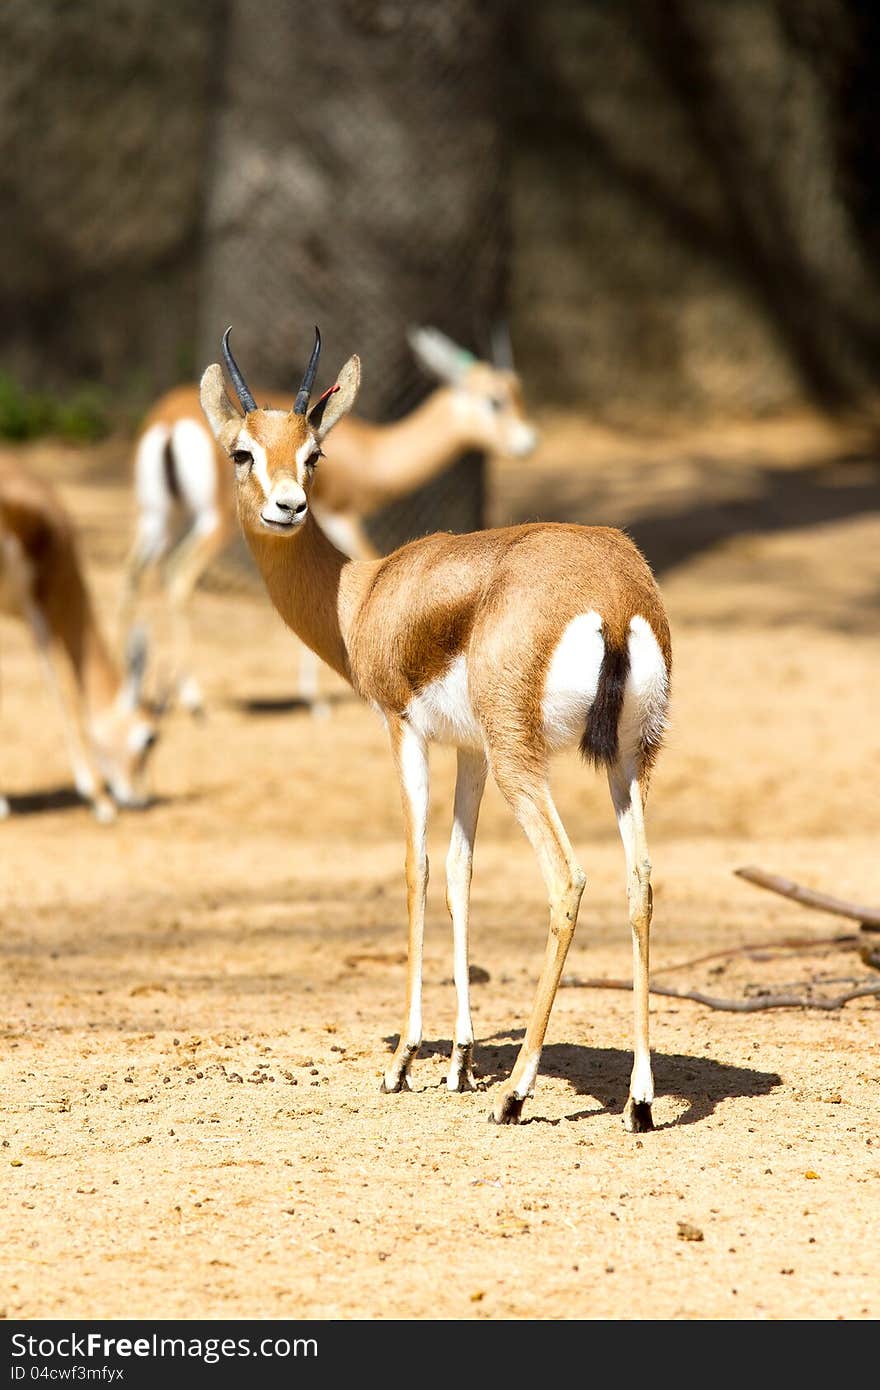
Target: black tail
(169,466)
(599,743)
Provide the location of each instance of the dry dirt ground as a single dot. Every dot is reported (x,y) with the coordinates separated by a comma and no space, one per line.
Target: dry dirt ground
(199,1000)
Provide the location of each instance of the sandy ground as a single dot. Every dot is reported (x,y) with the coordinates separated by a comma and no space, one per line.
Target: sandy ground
(200,999)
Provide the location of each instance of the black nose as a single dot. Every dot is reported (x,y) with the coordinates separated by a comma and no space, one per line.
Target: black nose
(295,508)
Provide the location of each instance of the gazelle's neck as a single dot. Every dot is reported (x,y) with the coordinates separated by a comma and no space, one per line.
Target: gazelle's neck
(315,587)
(421,443)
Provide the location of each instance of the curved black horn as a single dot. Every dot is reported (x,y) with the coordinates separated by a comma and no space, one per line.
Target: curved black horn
(247,401)
(502,347)
(301,404)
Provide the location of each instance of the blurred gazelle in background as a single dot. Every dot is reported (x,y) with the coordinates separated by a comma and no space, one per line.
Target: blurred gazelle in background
(109,727)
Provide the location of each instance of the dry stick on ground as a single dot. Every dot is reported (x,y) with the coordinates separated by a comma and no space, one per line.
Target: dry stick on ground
(760,949)
(868,916)
(733,1006)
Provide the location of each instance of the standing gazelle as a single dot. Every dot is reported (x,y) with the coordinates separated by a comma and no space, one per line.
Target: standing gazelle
(185,508)
(509,644)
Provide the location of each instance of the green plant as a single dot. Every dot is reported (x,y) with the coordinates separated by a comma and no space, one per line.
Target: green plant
(80,416)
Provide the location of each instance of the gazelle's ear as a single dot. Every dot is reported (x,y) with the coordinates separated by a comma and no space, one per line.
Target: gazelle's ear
(337,401)
(439,355)
(218,408)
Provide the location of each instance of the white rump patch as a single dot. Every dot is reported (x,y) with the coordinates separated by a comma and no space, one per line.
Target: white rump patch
(442,710)
(195,461)
(151,489)
(647,689)
(572,678)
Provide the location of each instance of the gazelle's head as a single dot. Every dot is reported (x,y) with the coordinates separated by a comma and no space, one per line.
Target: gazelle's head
(485,396)
(125,731)
(275,451)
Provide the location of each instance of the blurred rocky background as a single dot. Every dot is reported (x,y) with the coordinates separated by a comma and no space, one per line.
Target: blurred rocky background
(673,205)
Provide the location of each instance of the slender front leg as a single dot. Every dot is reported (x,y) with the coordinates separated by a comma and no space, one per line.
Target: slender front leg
(565,881)
(411,760)
(627,797)
(469,785)
(88,780)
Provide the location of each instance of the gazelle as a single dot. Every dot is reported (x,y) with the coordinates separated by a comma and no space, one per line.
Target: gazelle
(509,644)
(185,506)
(109,728)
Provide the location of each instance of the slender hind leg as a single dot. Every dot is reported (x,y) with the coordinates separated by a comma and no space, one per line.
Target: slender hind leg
(184,568)
(202,497)
(469,785)
(533,805)
(89,782)
(626,794)
(151,541)
(411,760)
(153,522)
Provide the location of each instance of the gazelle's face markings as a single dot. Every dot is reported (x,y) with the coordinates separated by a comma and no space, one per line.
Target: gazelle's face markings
(274,453)
(491,400)
(249,456)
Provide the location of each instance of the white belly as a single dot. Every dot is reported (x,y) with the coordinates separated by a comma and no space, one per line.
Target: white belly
(442,710)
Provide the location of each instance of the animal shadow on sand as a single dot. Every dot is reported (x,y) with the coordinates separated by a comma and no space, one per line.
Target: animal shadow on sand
(603,1074)
(51,799)
(284,704)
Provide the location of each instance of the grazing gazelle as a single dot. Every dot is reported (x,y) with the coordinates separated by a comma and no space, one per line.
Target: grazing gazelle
(108,727)
(185,507)
(509,644)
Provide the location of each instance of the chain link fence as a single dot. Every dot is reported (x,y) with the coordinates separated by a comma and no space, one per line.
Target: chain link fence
(358,181)
(674,204)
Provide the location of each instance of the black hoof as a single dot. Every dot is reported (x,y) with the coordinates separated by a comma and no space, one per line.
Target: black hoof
(641,1121)
(397,1090)
(510,1112)
(461,1068)
(462,1085)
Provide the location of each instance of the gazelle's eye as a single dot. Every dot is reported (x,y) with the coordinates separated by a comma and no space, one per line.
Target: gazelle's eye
(313,458)
(496,403)
(241,457)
